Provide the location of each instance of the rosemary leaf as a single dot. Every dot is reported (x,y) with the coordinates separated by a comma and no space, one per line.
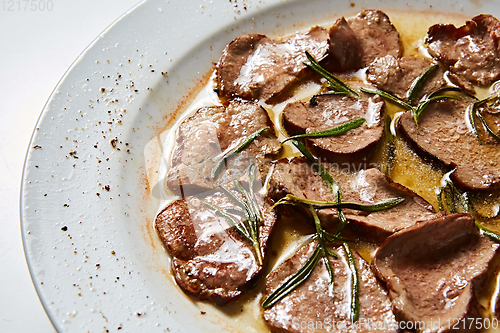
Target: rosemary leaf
(354,283)
(347,126)
(471,111)
(248,199)
(324,250)
(388,96)
(486,127)
(492,235)
(440,91)
(333,81)
(416,112)
(418,84)
(253,223)
(236,200)
(232,222)
(391,149)
(332,238)
(332,184)
(340,213)
(455,198)
(315,97)
(333,254)
(251,176)
(293,200)
(235,151)
(293,281)
(440,199)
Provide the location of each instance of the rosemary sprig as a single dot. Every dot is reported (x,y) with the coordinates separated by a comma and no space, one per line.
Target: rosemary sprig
(486,127)
(317,166)
(388,96)
(391,149)
(236,200)
(415,111)
(315,97)
(254,219)
(328,179)
(334,82)
(249,227)
(290,199)
(418,84)
(251,176)
(456,200)
(471,109)
(354,283)
(492,235)
(293,281)
(324,250)
(235,151)
(240,227)
(347,126)
(474,110)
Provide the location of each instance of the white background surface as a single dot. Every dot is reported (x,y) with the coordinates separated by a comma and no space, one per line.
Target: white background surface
(36,48)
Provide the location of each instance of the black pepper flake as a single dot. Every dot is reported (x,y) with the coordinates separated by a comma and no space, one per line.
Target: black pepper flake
(37,147)
(103,90)
(202,312)
(65,228)
(97,265)
(98,194)
(107,188)
(66,205)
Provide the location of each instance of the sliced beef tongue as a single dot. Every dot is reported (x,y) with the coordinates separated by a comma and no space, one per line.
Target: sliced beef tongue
(365,187)
(346,51)
(332,111)
(396,75)
(433,271)
(355,43)
(471,51)
(256,67)
(203,138)
(443,132)
(310,308)
(211,260)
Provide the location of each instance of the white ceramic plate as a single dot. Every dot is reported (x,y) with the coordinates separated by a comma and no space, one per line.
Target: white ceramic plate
(86,206)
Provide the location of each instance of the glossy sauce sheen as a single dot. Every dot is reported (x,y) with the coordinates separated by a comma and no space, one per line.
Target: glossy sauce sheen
(409,169)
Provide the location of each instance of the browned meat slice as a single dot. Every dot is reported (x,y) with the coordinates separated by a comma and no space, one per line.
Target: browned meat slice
(396,76)
(365,187)
(355,43)
(310,302)
(256,67)
(211,259)
(204,137)
(471,51)
(433,271)
(332,111)
(444,133)
(377,35)
(345,53)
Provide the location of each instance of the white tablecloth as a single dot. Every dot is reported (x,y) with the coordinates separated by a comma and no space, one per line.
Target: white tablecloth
(36,48)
